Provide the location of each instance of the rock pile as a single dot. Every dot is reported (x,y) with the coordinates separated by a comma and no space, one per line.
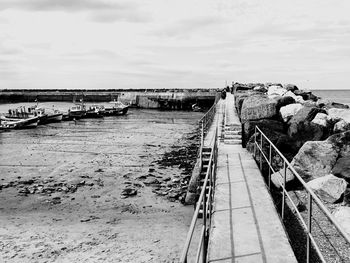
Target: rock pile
(313,134)
(182,155)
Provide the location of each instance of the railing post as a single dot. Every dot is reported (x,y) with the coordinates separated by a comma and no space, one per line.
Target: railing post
(255,142)
(204,249)
(261,150)
(309,215)
(270,165)
(284,188)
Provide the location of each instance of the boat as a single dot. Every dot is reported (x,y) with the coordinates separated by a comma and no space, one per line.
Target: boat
(118,108)
(195,107)
(77,111)
(95,111)
(52,115)
(21,113)
(15,123)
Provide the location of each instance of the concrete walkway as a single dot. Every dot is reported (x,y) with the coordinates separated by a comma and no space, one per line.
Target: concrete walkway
(245,225)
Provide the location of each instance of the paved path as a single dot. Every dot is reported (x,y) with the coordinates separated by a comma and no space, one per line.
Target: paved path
(245,224)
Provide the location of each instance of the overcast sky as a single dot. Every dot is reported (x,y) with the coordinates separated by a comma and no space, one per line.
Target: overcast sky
(173,44)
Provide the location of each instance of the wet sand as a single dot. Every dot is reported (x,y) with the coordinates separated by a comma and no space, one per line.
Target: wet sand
(61,198)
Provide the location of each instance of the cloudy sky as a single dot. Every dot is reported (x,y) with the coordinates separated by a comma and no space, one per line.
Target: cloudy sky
(173,43)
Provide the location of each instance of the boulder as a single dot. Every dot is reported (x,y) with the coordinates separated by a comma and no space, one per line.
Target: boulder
(342,216)
(341,126)
(258,107)
(322,120)
(265,125)
(283,101)
(315,159)
(276,90)
(342,142)
(301,127)
(307,95)
(260,89)
(342,168)
(269,84)
(346,198)
(290,87)
(277,178)
(309,103)
(338,114)
(328,188)
(288,111)
(330,104)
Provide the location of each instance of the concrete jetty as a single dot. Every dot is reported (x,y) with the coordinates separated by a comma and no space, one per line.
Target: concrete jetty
(245,226)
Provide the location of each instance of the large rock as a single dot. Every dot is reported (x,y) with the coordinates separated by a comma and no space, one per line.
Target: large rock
(283,101)
(298,99)
(278,178)
(301,127)
(341,126)
(288,111)
(342,142)
(328,188)
(342,216)
(258,107)
(315,159)
(290,87)
(330,104)
(342,168)
(322,120)
(307,95)
(336,114)
(265,125)
(276,91)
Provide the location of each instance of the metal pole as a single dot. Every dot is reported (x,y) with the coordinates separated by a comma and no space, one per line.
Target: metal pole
(204,251)
(270,165)
(261,150)
(309,215)
(255,143)
(283,188)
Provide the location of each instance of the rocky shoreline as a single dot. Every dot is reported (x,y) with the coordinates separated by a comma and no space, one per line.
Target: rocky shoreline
(311,132)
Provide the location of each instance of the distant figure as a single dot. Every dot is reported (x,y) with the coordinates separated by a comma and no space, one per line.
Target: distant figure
(75,121)
(223,94)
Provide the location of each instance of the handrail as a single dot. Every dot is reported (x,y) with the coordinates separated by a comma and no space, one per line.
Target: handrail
(311,195)
(204,201)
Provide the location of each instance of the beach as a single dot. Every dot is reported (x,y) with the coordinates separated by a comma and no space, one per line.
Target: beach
(62,199)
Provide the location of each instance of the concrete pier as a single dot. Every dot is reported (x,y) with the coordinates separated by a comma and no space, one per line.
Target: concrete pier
(245,226)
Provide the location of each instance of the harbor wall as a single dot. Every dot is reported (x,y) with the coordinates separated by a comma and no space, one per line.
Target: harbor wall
(181,99)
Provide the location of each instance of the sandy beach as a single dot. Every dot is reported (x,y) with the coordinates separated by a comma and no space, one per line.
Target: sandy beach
(61,197)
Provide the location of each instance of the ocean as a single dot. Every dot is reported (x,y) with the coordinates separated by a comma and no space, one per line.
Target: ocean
(341,96)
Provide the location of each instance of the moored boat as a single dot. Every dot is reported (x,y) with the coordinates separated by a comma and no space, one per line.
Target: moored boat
(118,108)
(77,111)
(14,123)
(95,111)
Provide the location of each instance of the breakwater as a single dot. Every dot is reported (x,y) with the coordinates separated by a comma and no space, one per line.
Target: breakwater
(314,135)
(181,99)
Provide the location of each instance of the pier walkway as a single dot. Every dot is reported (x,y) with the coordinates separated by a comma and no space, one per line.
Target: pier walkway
(245,226)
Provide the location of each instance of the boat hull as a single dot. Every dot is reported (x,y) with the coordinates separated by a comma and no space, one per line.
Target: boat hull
(52,118)
(116,111)
(10,123)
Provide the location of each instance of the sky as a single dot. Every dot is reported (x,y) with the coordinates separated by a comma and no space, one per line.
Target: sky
(117,44)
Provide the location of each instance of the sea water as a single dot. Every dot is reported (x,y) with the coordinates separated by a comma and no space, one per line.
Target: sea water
(340,96)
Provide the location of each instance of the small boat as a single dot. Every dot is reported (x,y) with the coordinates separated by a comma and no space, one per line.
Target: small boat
(195,107)
(95,111)
(23,113)
(118,108)
(14,123)
(78,111)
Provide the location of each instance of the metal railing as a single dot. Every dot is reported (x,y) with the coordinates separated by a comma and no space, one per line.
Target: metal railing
(205,123)
(260,140)
(205,202)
